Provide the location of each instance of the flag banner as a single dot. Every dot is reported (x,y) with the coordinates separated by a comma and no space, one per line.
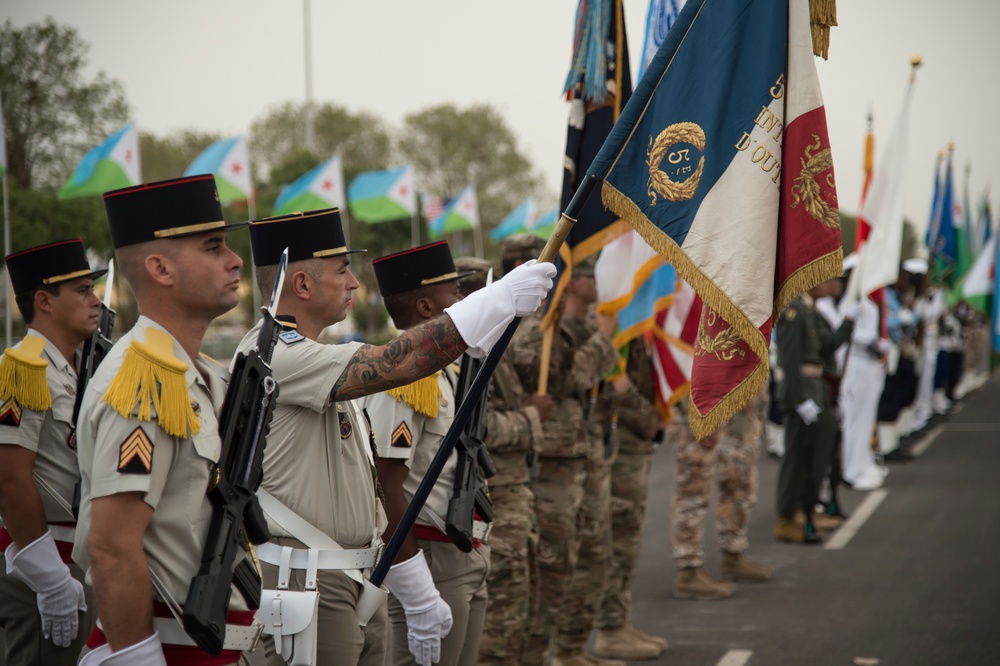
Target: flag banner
(942,244)
(109,166)
(661,15)
(229,161)
(674,337)
(598,85)
(978,284)
(879,252)
(519,220)
(984,222)
(383,196)
(721,161)
(963,231)
(461,214)
(321,187)
(431,206)
(863,228)
(545,224)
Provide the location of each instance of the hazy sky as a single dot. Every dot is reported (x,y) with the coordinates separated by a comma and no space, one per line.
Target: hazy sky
(218,64)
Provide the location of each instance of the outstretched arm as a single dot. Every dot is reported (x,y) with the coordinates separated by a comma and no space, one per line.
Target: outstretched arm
(415,354)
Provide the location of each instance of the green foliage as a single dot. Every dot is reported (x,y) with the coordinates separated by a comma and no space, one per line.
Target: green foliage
(53,114)
(168,157)
(37,217)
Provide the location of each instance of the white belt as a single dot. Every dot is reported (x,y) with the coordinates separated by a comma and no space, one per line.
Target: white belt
(359,558)
(63,533)
(239,637)
(481,530)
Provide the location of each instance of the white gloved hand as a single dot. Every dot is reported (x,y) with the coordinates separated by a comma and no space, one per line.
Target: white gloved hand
(883,346)
(809,411)
(852,310)
(428,617)
(60,596)
(482,316)
(148,652)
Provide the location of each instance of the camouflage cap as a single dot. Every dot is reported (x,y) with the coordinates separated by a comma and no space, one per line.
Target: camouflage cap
(477,269)
(522,246)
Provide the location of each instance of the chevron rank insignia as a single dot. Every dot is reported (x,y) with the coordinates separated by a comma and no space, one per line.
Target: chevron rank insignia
(10,412)
(291,337)
(136,453)
(401,436)
(345,425)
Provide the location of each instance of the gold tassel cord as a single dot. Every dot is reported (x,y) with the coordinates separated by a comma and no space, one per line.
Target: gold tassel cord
(822,17)
(422,395)
(22,375)
(152,377)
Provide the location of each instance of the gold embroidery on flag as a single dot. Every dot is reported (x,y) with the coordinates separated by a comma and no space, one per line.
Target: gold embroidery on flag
(807,189)
(660,181)
(724,345)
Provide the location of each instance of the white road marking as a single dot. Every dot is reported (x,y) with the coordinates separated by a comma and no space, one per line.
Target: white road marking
(925,441)
(735,658)
(864,511)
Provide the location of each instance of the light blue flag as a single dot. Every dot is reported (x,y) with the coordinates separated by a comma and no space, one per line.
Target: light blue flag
(517,221)
(661,15)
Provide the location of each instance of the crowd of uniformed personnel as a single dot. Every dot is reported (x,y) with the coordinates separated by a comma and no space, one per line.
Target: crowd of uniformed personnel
(105,517)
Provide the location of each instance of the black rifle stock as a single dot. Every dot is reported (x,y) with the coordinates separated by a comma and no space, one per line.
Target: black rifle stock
(237,519)
(473,467)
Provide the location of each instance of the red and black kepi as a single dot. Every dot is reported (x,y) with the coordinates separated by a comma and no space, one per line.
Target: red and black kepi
(165,209)
(49,264)
(415,268)
(312,234)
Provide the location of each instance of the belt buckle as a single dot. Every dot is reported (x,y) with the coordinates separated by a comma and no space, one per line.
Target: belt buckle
(258,628)
(486,536)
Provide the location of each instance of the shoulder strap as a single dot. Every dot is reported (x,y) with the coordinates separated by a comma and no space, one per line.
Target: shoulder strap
(294,524)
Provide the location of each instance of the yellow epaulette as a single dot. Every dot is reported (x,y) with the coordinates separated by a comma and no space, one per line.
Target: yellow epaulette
(22,375)
(151,376)
(423,395)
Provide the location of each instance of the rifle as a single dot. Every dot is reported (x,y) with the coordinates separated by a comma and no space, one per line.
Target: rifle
(237,520)
(474,465)
(95,348)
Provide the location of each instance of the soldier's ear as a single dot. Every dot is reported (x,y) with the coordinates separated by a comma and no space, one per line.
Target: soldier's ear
(159,269)
(425,307)
(43,301)
(300,284)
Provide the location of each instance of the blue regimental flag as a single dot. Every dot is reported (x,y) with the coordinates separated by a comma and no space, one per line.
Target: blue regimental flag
(599,84)
(721,161)
(943,244)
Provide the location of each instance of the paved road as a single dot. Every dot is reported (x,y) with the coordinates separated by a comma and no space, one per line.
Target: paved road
(917,584)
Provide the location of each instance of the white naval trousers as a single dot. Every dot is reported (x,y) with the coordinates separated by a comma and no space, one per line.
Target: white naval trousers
(860,391)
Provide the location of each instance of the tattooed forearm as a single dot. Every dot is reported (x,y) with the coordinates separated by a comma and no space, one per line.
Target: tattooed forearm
(416,353)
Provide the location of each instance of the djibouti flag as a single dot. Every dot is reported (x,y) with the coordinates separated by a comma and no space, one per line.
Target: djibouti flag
(229,161)
(461,214)
(111,165)
(383,196)
(321,187)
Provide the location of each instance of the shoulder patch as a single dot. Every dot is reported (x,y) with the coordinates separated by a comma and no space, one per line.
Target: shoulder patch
(10,412)
(135,455)
(402,436)
(345,425)
(291,337)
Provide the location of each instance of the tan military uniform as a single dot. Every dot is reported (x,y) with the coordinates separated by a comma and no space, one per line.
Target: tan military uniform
(50,436)
(513,430)
(120,455)
(319,463)
(404,433)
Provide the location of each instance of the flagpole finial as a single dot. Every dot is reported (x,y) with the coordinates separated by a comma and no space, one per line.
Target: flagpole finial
(916,61)
(951,146)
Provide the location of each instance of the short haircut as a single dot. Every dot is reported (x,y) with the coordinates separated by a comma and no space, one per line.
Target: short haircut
(401,306)
(26,301)
(266,275)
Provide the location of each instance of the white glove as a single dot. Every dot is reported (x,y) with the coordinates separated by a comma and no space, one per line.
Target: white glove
(482,316)
(809,411)
(883,346)
(60,596)
(428,617)
(148,652)
(852,310)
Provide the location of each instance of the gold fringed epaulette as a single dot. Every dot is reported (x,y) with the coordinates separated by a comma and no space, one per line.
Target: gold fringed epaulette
(152,377)
(423,395)
(22,375)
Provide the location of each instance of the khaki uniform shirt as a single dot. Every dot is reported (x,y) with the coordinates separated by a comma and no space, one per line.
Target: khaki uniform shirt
(174,483)
(49,434)
(318,461)
(405,434)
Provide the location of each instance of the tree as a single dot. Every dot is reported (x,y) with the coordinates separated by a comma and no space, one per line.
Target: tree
(169,156)
(53,114)
(450,147)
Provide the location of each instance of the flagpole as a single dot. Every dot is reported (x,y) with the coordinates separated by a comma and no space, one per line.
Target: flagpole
(477,237)
(252,213)
(7,325)
(415,229)
(307,45)
(476,391)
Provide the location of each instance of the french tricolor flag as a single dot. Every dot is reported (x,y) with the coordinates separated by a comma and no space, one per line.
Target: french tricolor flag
(721,161)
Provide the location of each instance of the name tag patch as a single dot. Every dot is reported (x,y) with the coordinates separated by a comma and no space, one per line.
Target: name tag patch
(291,337)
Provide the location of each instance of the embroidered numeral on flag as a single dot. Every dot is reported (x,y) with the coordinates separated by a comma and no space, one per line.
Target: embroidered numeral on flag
(136,453)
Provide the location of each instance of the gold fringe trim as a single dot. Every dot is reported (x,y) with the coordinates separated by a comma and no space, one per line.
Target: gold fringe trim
(150,375)
(22,375)
(822,16)
(423,395)
(806,277)
(712,296)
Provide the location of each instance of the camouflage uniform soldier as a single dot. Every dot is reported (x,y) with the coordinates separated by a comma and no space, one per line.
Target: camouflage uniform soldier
(514,425)
(571,465)
(731,454)
(626,409)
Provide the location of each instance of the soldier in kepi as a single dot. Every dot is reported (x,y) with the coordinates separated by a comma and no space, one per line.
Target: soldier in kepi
(438,591)
(46,614)
(319,490)
(148,434)
(514,430)
(806,345)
